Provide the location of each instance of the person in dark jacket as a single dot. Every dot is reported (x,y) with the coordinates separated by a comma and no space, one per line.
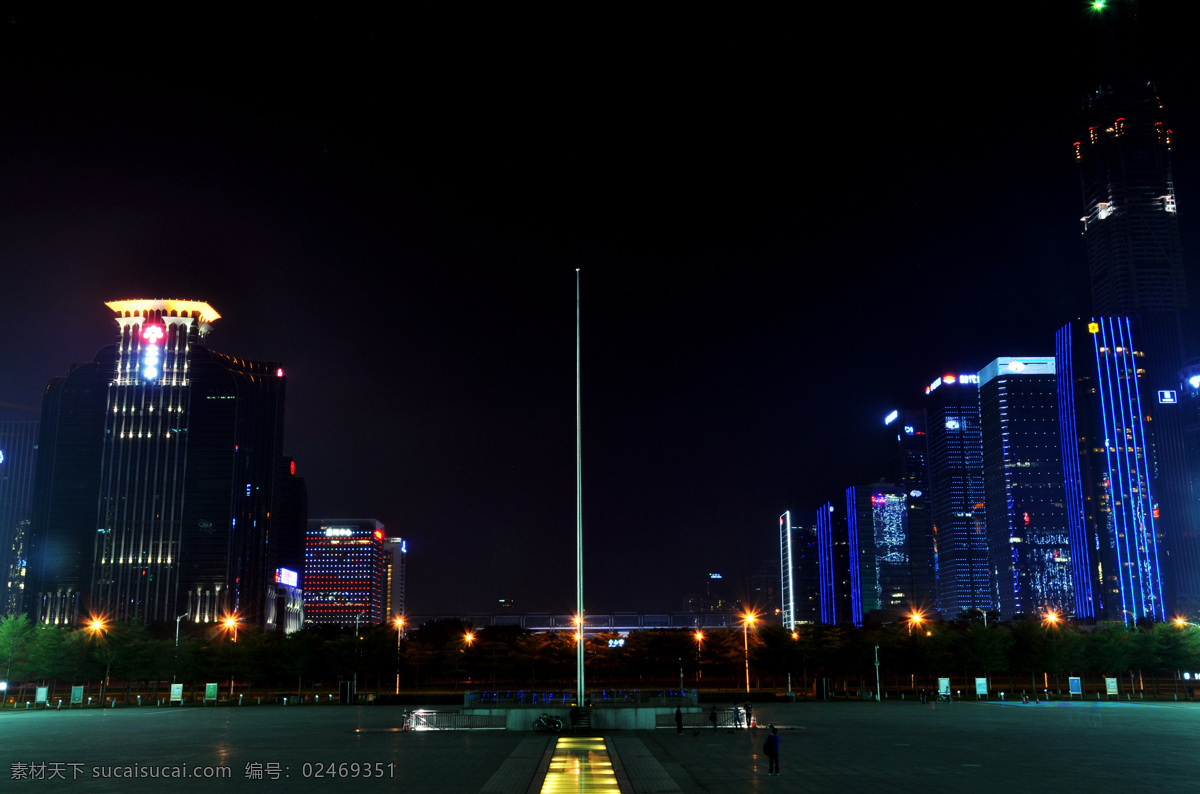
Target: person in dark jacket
(771,748)
(678,720)
(712,717)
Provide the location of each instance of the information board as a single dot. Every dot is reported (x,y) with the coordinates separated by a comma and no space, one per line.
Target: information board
(76,695)
(1076,685)
(40,695)
(1110,686)
(943,686)
(176,693)
(210,691)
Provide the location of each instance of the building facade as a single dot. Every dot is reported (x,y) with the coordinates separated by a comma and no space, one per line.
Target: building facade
(958,517)
(18,454)
(159,479)
(1112,517)
(877,538)
(1023,487)
(345,571)
(1135,257)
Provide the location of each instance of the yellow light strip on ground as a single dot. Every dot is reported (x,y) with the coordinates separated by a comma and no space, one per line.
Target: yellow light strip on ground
(580,764)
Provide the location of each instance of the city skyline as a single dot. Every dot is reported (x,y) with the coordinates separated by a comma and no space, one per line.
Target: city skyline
(776,251)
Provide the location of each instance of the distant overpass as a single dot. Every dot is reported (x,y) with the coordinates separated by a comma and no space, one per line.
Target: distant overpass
(617,622)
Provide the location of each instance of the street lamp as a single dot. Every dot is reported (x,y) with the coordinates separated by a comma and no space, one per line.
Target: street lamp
(1050,618)
(399,634)
(915,619)
(181,617)
(99,626)
(699,635)
(230,622)
(747,619)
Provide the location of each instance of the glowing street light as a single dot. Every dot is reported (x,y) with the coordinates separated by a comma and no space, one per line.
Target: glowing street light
(469,638)
(699,635)
(399,623)
(747,620)
(230,623)
(98,626)
(1051,618)
(915,619)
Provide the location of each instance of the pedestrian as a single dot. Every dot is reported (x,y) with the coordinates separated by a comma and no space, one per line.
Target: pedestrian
(771,750)
(678,720)
(750,716)
(712,717)
(737,716)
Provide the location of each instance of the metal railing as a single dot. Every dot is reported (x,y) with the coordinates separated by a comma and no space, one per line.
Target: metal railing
(422,720)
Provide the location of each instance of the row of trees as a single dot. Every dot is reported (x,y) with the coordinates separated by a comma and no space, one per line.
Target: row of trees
(451,654)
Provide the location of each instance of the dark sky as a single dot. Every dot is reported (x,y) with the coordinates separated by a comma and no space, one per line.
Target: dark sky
(787,223)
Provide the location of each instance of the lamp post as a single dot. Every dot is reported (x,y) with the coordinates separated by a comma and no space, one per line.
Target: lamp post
(231,622)
(699,639)
(748,618)
(915,619)
(98,626)
(181,617)
(876,673)
(399,634)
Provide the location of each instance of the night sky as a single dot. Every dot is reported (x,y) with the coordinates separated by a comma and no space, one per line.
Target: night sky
(787,224)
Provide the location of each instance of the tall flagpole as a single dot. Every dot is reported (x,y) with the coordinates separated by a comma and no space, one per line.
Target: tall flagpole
(578,511)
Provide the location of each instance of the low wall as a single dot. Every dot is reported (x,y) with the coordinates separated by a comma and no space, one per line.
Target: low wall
(604,718)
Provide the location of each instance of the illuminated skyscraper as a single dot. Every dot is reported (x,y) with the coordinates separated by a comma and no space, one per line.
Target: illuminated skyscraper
(799,568)
(833,565)
(913,447)
(345,571)
(18,446)
(1023,486)
(1135,259)
(877,537)
(161,486)
(956,495)
(396,575)
(1111,514)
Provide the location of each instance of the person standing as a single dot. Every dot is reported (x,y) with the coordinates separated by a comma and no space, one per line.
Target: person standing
(678,720)
(712,717)
(771,749)
(737,716)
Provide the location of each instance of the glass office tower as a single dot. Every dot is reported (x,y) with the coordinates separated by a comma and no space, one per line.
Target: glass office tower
(1112,515)
(1023,487)
(161,487)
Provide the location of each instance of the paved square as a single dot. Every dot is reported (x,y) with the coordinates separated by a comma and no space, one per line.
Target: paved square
(892,746)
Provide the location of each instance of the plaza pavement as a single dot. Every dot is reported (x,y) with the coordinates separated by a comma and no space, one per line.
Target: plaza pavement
(843,747)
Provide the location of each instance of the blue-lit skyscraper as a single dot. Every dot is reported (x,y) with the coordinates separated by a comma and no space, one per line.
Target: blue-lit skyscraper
(877,534)
(909,426)
(956,495)
(1108,463)
(1136,266)
(833,565)
(1023,485)
(799,568)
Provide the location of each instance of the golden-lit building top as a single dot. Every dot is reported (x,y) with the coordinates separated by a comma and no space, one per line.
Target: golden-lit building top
(168,307)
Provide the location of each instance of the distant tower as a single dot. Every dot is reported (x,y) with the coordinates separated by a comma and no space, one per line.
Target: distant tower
(18,449)
(1023,486)
(397,575)
(956,495)
(880,579)
(833,565)
(345,571)
(911,442)
(161,485)
(1135,259)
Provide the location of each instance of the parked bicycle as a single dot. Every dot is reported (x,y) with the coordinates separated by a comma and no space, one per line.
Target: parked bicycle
(548,722)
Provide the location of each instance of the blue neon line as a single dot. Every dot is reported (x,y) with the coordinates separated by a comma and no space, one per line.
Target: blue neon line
(1103,380)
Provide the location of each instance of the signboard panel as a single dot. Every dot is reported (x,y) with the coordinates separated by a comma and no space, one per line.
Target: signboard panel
(210,691)
(40,695)
(1110,686)
(176,693)
(981,686)
(1076,685)
(76,695)
(943,686)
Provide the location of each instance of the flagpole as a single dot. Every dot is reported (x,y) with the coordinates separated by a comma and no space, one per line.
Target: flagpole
(578,511)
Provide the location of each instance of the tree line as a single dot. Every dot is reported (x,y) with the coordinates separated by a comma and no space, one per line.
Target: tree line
(129,658)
